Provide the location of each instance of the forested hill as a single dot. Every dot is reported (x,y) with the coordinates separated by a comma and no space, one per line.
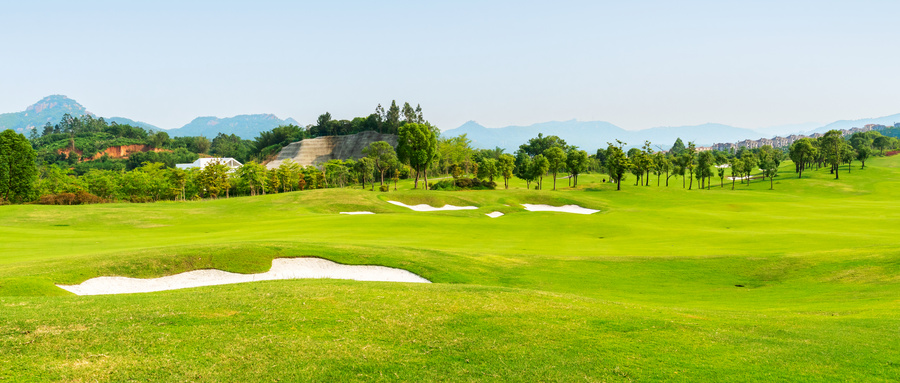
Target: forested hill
(592,135)
(49,109)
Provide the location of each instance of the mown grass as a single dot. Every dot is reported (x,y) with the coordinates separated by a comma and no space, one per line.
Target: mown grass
(647,289)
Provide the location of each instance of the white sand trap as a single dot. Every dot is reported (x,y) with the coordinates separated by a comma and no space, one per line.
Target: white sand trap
(494,214)
(282,268)
(723,166)
(424,207)
(737,178)
(563,209)
(356,212)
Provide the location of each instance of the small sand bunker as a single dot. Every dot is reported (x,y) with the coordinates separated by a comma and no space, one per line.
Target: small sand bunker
(494,214)
(356,212)
(424,207)
(282,268)
(723,166)
(575,209)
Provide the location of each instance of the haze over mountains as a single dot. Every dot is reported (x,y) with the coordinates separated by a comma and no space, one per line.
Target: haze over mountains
(588,135)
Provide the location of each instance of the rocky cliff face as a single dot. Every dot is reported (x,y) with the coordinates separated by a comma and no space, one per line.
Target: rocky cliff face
(115,151)
(315,151)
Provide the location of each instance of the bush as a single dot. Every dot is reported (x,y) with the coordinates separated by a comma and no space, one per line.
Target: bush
(78,198)
(464,184)
(384,188)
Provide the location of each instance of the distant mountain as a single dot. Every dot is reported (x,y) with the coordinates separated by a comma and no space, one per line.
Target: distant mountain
(49,109)
(847,124)
(246,126)
(52,108)
(592,135)
(128,121)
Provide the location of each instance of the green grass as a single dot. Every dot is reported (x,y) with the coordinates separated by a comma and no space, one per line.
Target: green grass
(644,290)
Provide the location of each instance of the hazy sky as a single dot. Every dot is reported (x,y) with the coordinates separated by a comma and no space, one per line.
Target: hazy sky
(637,64)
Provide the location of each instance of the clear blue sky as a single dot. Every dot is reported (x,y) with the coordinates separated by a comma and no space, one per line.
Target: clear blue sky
(637,64)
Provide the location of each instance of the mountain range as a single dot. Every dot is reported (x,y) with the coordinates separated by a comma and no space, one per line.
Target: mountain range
(588,135)
(592,135)
(52,108)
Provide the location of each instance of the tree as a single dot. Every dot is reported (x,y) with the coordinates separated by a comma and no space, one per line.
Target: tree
(506,165)
(540,144)
(557,159)
(392,118)
(202,144)
(365,168)
(576,161)
(524,167)
(882,142)
(661,165)
(254,175)
(540,165)
(17,168)
(687,157)
(617,163)
(862,154)
(832,143)
(677,147)
(417,147)
(159,139)
(409,114)
(748,162)
(802,152)
(382,155)
(736,167)
(767,163)
(488,168)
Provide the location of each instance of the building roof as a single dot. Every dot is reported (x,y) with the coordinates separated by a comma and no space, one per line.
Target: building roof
(202,162)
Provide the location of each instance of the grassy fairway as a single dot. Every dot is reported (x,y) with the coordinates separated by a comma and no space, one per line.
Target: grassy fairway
(644,290)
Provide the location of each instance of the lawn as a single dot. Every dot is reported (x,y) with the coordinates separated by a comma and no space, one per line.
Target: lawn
(799,283)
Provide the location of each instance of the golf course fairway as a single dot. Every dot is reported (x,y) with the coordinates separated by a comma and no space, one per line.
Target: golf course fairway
(798,283)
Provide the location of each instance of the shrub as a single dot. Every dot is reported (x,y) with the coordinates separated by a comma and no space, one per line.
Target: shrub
(78,198)
(384,188)
(464,184)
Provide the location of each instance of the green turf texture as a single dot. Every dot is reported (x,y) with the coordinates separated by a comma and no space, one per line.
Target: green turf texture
(645,290)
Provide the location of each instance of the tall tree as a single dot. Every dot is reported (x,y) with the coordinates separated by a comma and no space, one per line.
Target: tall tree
(417,147)
(392,119)
(832,143)
(557,159)
(576,161)
(617,163)
(409,114)
(506,164)
(540,165)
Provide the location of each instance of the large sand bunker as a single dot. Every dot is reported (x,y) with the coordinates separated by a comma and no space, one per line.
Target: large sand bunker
(424,207)
(282,268)
(575,209)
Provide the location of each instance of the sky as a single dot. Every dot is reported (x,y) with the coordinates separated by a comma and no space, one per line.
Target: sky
(636,64)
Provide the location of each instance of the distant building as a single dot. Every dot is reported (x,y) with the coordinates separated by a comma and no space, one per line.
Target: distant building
(203,162)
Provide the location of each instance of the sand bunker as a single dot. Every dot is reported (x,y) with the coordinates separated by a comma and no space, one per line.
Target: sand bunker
(424,207)
(724,166)
(494,214)
(356,212)
(575,209)
(282,268)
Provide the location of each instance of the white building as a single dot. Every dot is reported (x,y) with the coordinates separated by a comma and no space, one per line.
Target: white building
(201,163)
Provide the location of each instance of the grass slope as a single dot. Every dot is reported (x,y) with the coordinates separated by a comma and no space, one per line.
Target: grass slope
(644,290)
